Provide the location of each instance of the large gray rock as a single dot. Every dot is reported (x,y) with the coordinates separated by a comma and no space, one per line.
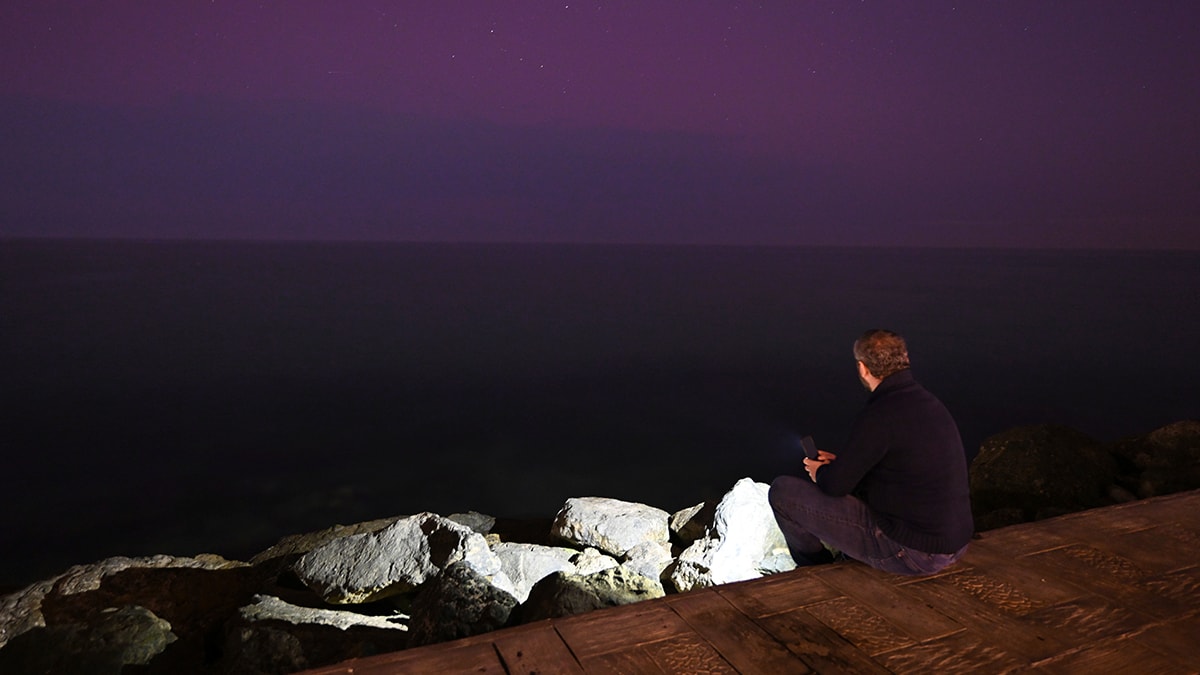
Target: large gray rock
(22,611)
(743,537)
(1163,461)
(527,564)
(395,560)
(293,546)
(105,642)
(1034,472)
(458,603)
(564,594)
(611,525)
(272,636)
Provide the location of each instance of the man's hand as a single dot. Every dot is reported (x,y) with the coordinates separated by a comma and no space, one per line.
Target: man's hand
(811,465)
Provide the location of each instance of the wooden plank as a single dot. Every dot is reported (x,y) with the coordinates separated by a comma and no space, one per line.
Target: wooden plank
(1088,619)
(894,604)
(994,610)
(1114,656)
(1109,575)
(450,657)
(962,652)
(1116,519)
(599,632)
(745,645)
(860,626)
(1019,540)
(1182,587)
(1085,526)
(778,593)
(685,655)
(1032,581)
(957,568)
(818,645)
(1161,549)
(1181,507)
(1175,640)
(1185,509)
(632,661)
(889,578)
(535,651)
(682,655)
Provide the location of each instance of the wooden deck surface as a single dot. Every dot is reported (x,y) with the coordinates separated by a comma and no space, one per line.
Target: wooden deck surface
(1112,590)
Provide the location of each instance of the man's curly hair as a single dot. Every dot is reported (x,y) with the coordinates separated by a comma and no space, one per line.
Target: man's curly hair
(882,351)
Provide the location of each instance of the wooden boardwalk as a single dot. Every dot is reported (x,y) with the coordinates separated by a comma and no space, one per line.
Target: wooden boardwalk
(1113,590)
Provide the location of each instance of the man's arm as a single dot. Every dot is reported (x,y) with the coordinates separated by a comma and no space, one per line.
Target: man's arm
(864,449)
(811,465)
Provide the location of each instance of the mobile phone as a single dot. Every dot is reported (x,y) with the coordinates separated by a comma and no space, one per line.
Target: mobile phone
(810,448)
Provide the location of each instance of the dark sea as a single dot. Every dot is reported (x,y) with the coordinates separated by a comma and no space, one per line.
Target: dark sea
(188,397)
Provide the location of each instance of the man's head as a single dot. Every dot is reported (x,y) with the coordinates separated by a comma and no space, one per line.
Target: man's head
(879,354)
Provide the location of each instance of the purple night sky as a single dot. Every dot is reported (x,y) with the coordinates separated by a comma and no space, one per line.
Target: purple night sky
(1026,123)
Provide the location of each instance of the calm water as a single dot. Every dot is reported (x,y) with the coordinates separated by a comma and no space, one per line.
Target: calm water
(190,397)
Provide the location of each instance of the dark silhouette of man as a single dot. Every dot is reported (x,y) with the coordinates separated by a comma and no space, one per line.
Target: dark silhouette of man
(896,496)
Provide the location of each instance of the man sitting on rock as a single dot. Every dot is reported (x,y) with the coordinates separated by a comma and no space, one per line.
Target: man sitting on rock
(896,497)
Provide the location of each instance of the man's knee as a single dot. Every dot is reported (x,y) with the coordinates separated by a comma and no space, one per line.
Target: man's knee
(773,493)
(781,489)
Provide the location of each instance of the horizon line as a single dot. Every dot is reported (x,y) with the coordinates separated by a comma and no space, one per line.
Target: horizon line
(643,244)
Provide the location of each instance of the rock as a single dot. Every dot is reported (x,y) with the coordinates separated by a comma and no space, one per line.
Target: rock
(104,642)
(589,561)
(527,564)
(272,636)
(263,649)
(292,547)
(564,594)
(269,608)
(744,534)
(692,523)
(1120,495)
(208,614)
(1043,471)
(396,559)
(135,581)
(693,568)
(82,578)
(1163,461)
(458,603)
(648,559)
(611,525)
(479,522)
(778,562)
(22,611)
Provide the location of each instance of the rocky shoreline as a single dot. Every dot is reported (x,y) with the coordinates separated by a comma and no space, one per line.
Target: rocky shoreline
(353,590)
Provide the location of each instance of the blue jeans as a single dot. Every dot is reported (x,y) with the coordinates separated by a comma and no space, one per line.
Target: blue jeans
(809,517)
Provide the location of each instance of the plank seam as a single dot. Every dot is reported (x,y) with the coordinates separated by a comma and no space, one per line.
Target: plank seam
(571,650)
(739,612)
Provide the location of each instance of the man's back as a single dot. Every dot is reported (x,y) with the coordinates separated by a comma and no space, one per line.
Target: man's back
(905,460)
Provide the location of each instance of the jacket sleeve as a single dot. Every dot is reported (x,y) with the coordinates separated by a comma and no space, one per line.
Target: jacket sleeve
(867,444)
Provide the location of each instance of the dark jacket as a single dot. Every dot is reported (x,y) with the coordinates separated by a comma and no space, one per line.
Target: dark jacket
(905,460)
